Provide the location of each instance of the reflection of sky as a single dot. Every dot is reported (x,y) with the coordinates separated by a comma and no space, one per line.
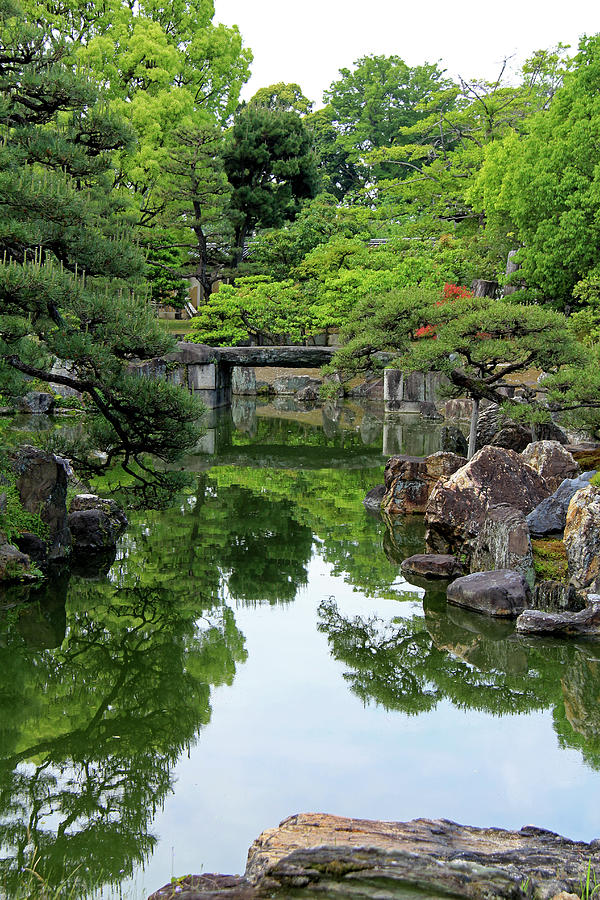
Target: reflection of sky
(290,737)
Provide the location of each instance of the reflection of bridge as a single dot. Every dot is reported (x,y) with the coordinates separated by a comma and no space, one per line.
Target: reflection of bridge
(356,434)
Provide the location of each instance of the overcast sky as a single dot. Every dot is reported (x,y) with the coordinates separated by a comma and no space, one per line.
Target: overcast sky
(310,40)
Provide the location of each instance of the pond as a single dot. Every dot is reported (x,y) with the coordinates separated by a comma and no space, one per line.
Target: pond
(254,652)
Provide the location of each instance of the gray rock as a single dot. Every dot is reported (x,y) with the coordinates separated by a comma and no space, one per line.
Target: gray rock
(92,531)
(432,565)
(308,394)
(2,503)
(554,596)
(454,441)
(37,403)
(41,480)
(568,624)
(503,542)
(34,547)
(501,593)
(551,514)
(291,384)
(115,514)
(315,855)
(374,497)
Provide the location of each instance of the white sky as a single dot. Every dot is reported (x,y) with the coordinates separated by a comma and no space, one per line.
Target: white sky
(308,41)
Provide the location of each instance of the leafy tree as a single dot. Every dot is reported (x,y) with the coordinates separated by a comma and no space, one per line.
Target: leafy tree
(284,96)
(370,105)
(69,268)
(271,167)
(544,187)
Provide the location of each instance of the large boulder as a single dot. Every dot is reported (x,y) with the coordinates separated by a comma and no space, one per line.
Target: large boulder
(582,538)
(503,542)
(585,623)
(550,595)
(41,480)
(552,461)
(458,506)
(92,531)
(317,855)
(550,516)
(116,516)
(409,480)
(502,593)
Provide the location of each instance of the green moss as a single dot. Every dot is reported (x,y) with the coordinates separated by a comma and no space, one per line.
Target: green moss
(588,459)
(550,560)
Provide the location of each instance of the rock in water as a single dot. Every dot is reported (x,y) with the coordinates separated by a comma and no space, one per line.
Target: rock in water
(550,516)
(501,593)
(582,538)
(458,506)
(409,480)
(432,565)
(117,517)
(92,531)
(14,565)
(503,542)
(37,403)
(551,461)
(585,623)
(374,497)
(41,480)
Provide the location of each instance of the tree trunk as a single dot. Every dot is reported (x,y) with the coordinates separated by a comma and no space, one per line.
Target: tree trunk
(473,431)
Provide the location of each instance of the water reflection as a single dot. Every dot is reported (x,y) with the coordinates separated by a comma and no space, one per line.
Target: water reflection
(91,730)
(414,662)
(107,676)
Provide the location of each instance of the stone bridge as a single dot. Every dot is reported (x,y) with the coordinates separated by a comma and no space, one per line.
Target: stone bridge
(208,372)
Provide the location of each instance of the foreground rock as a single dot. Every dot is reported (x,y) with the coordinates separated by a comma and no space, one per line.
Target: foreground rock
(502,593)
(312,855)
(503,542)
(409,480)
(432,565)
(582,538)
(585,623)
(458,506)
(551,461)
(550,517)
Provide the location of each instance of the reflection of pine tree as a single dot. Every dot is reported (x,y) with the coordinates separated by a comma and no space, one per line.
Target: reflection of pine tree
(97,725)
(410,664)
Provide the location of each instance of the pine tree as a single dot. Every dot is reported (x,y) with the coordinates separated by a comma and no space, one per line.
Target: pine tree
(68,268)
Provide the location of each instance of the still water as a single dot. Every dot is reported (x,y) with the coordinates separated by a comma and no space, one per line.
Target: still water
(253,652)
